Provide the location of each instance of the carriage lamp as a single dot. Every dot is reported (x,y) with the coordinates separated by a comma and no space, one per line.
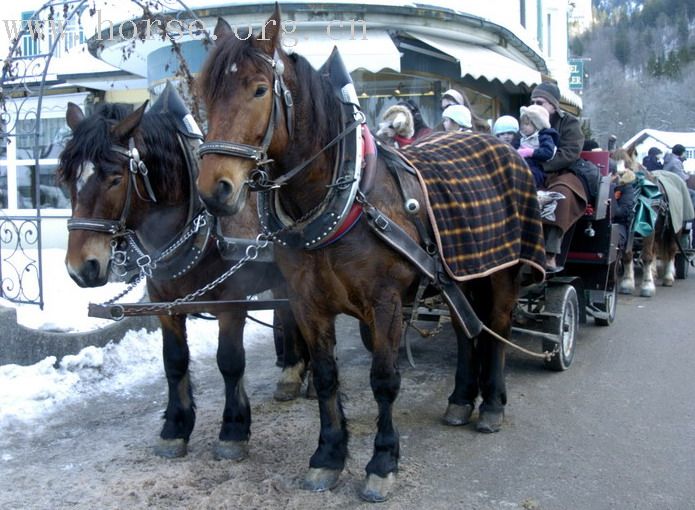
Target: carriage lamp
(412,206)
(589,230)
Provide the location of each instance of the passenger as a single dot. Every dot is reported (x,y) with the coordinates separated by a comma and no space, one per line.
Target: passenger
(506,128)
(421,127)
(457,118)
(538,142)
(673,162)
(558,176)
(397,126)
(651,160)
(624,199)
(454,97)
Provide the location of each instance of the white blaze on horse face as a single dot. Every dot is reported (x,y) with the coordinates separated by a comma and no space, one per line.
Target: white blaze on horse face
(85,172)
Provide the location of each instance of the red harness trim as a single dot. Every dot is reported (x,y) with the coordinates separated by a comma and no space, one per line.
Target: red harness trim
(352,217)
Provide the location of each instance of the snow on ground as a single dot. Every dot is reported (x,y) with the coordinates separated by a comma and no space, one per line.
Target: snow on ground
(28,393)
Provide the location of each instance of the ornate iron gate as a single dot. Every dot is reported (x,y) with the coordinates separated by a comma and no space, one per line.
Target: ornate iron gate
(22,88)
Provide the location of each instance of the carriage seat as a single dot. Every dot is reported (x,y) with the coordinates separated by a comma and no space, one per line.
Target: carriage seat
(598,208)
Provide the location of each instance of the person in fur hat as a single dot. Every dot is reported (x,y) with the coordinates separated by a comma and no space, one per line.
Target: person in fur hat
(538,142)
(397,126)
(623,192)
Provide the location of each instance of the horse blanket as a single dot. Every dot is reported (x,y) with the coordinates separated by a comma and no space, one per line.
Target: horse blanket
(679,204)
(481,201)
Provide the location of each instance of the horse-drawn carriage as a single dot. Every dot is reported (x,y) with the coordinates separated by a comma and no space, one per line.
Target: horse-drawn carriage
(373,255)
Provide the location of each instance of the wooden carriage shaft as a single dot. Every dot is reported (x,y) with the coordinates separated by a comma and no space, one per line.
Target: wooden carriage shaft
(111,311)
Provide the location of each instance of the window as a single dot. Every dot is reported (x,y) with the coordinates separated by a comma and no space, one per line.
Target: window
(30,158)
(522,13)
(30,44)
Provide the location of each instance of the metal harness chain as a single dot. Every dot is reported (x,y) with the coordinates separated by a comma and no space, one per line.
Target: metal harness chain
(252,252)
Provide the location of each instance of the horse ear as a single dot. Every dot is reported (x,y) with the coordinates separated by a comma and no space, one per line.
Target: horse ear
(124,129)
(222,30)
(74,116)
(269,38)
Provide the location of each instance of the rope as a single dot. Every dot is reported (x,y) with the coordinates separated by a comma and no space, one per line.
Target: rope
(261,322)
(546,355)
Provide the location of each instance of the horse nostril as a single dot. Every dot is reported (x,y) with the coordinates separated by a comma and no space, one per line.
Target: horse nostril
(224,190)
(90,270)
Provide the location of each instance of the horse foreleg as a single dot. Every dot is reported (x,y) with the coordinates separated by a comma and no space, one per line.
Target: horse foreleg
(627,282)
(295,358)
(328,460)
(231,360)
(669,250)
(179,417)
(385,379)
(647,288)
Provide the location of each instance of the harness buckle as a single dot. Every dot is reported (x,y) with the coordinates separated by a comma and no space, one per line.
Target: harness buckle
(145,265)
(381,222)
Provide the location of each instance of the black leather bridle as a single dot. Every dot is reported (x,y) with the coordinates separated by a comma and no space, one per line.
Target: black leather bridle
(135,167)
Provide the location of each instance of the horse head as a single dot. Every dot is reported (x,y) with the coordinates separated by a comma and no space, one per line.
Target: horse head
(106,167)
(248,85)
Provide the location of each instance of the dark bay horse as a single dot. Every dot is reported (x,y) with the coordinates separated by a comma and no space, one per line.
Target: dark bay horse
(269,111)
(119,205)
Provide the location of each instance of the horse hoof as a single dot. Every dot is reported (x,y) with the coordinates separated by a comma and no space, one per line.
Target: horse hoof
(647,292)
(171,448)
(287,391)
(458,415)
(490,421)
(231,450)
(378,489)
(667,283)
(311,390)
(626,290)
(320,479)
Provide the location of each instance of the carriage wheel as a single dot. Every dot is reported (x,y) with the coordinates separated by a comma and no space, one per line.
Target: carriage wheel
(563,301)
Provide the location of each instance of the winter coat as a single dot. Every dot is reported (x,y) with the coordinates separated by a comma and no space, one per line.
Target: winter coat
(544,150)
(673,163)
(652,163)
(559,178)
(623,207)
(571,141)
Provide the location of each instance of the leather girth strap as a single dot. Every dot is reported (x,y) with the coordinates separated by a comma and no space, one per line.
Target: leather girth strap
(395,237)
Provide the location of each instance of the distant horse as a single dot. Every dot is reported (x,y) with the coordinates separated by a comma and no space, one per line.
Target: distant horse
(658,248)
(133,196)
(275,122)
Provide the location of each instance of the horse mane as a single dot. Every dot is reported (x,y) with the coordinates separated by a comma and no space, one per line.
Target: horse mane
(91,141)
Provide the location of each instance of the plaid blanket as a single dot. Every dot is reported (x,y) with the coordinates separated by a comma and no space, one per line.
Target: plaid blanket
(482,203)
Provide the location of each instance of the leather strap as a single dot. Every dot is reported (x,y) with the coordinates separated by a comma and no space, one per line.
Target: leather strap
(395,237)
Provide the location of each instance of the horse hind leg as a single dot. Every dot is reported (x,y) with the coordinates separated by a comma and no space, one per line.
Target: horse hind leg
(179,417)
(231,361)
(295,358)
(503,292)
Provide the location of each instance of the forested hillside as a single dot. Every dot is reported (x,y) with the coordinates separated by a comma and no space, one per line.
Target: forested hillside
(641,72)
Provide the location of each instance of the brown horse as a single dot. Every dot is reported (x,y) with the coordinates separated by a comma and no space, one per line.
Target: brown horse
(272,112)
(122,209)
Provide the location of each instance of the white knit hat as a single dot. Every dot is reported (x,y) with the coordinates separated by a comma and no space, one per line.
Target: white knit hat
(459,114)
(538,116)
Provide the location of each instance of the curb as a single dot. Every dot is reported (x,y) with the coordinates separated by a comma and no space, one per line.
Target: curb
(25,346)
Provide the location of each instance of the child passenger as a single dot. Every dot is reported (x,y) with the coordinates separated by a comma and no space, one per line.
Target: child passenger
(538,140)
(506,128)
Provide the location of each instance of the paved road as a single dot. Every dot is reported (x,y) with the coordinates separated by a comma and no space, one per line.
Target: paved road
(616,431)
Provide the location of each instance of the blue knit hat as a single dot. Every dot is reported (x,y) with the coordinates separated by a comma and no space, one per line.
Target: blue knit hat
(505,124)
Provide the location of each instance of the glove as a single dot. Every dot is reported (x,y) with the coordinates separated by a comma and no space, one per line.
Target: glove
(525,152)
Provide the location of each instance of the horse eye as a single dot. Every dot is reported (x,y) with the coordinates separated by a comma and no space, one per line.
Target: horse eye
(115,181)
(261,90)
